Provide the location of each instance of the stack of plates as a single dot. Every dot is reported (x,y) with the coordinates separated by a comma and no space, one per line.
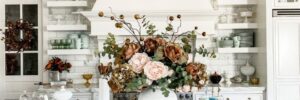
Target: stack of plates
(246,39)
(85,41)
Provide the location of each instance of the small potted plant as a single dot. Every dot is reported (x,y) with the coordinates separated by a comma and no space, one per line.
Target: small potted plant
(56,69)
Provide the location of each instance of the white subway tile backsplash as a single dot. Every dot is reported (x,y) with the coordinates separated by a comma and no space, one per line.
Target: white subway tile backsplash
(77,63)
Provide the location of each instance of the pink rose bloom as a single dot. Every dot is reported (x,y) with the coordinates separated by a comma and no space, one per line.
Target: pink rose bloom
(138,61)
(155,70)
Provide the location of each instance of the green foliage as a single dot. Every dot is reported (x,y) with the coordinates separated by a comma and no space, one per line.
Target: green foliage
(181,78)
(163,84)
(136,83)
(110,46)
(159,54)
(169,27)
(150,28)
(205,53)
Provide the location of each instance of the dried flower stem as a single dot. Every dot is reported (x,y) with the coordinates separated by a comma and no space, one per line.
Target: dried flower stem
(175,32)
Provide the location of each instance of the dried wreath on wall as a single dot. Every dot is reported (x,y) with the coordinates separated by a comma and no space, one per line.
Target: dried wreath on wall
(12,36)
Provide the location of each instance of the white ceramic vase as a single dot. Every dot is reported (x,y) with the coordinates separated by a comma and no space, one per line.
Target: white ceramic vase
(149,94)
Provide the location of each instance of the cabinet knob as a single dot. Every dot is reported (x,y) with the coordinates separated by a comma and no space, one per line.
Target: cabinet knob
(227,99)
(249,98)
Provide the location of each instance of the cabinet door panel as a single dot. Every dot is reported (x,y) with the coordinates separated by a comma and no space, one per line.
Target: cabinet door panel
(288,91)
(286,3)
(287,43)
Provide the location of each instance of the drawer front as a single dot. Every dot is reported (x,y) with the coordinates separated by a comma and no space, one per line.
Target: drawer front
(243,96)
(81,98)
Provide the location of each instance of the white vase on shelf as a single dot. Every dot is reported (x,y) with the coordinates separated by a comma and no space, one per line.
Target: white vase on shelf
(247,70)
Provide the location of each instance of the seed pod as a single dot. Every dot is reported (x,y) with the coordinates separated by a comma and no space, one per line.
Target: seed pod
(204,34)
(119,25)
(196,27)
(121,16)
(112,18)
(178,16)
(101,14)
(137,16)
(171,18)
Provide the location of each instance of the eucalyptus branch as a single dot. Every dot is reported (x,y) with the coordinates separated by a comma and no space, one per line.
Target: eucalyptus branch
(181,35)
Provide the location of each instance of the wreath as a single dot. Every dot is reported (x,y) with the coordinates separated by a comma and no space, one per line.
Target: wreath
(12,36)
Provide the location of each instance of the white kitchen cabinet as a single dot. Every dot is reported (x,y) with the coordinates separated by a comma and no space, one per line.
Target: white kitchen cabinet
(286,60)
(84,96)
(287,91)
(241,96)
(286,4)
(236,92)
(287,48)
(235,96)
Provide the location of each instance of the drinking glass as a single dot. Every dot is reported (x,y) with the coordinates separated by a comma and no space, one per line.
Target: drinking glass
(53,43)
(68,43)
(63,44)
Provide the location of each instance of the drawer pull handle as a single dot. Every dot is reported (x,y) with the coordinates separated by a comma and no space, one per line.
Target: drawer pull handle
(227,99)
(249,98)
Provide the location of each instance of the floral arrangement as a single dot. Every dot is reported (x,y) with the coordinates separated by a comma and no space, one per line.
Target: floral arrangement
(154,60)
(12,34)
(56,64)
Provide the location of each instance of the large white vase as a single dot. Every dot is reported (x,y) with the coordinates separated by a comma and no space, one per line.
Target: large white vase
(148,94)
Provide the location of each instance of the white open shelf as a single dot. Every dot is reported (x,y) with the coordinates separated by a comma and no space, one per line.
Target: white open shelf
(67,3)
(69,52)
(237,26)
(239,50)
(66,27)
(236,2)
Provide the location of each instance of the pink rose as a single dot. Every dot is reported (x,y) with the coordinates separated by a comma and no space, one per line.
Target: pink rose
(138,61)
(155,70)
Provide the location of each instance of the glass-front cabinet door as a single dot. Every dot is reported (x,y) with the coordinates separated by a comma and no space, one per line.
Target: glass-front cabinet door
(287,3)
(24,63)
(19,70)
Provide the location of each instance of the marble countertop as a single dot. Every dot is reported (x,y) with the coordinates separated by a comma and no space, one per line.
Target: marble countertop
(77,88)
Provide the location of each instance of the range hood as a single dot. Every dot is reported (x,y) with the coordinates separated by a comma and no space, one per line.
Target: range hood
(194,12)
